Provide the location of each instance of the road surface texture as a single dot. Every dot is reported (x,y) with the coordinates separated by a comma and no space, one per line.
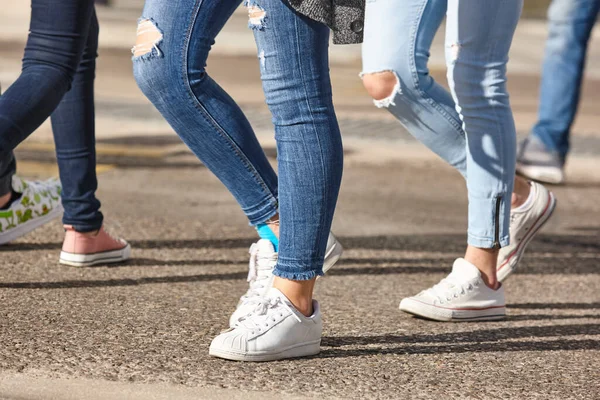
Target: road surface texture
(141,330)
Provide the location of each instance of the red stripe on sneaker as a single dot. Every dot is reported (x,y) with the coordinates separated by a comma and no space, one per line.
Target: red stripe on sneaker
(532,232)
(461,309)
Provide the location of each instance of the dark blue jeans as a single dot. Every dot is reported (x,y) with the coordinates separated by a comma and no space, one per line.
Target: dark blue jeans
(175,37)
(58,79)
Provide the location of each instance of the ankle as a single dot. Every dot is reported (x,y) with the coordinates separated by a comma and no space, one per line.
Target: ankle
(521,192)
(299,293)
(5,199)
(486,261)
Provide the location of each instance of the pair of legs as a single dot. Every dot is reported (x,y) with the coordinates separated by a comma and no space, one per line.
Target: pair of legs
(570,24)
(174,40)
(472,128)
(57,80)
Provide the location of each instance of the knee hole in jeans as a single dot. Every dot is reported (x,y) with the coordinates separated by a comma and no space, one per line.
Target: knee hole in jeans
(148,38)
(382,87)
(256,15)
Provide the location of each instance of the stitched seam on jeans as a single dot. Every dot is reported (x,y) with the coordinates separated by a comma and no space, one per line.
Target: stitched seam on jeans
(326,186)
(415,74)
(499,127)
(327,194)
(206,114)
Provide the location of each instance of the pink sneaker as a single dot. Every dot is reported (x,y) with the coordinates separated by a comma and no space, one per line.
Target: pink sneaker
(85,249)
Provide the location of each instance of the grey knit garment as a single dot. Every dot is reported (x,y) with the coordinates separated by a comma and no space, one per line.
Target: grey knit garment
(344,17)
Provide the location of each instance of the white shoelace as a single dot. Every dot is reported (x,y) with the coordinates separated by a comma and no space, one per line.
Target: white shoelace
(265,314)
(259,270)
(449,288)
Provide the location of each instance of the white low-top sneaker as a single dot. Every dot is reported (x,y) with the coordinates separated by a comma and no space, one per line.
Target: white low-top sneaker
(260,276)
(524,225)
(274,330)
(461,296)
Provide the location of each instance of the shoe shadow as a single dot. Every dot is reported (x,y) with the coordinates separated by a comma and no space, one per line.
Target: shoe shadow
(486,340)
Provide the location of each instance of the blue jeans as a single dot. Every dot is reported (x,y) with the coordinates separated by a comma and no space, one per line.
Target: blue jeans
(570,24)
(169,67)
(472,128)
(58,79)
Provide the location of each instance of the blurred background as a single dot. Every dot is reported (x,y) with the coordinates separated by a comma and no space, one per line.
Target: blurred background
(129,129)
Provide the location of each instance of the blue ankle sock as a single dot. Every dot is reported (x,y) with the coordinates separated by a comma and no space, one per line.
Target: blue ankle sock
(266,233)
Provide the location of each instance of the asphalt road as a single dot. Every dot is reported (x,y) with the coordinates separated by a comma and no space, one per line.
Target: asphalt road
(402,221)
(142,329)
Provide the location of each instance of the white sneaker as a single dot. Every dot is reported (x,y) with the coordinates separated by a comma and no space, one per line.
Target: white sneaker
(39,204)
(462,296)
(523,227)
(260,276)
(274,330)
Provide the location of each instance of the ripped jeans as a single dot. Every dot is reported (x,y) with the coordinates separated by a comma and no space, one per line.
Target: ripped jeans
(472,128)
(174,40)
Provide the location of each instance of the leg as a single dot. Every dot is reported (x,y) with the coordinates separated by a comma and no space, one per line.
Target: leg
(74,135)
(294,69)
(396,74)
(58,34)
(296,81)
(174,39)
(478,40)
(570,25)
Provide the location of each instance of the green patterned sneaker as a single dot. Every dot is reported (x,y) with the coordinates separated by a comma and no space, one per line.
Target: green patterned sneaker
(38,204)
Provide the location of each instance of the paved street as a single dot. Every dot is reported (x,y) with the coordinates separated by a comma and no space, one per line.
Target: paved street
(141,330)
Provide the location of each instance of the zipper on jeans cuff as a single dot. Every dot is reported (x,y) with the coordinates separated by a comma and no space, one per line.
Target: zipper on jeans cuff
(497,223)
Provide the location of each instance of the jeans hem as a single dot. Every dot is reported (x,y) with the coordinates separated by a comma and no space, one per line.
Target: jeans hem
(298,270)
(262,212)
(487,243)
(85,226)
(297,276)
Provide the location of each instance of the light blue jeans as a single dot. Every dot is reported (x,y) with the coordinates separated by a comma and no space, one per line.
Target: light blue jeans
(472,128)
(570,24)
(294,65)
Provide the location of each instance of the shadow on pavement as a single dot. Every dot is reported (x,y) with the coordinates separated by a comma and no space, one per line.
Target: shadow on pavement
(485,340)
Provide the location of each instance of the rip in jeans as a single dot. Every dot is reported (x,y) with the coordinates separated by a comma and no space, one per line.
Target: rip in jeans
(257,15)
(148,39)
(387,101)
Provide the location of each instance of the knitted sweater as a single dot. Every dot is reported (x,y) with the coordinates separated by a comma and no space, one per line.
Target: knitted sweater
(344,17)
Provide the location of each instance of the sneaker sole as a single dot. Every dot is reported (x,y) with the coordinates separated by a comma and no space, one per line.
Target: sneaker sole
(332,256)
(297,351)
(442,314)
(511,264)
(541,174)
(87,260)
(30,226)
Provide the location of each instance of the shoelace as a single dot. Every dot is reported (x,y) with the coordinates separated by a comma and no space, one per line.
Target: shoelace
(265,313)
(449,288)
(256,277)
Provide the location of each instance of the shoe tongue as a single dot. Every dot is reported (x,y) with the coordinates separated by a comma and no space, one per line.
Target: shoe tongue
(464,270)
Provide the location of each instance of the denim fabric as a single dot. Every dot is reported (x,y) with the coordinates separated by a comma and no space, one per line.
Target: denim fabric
(8,167)
(57,78)
(293,60)
(399,39)
(570,24)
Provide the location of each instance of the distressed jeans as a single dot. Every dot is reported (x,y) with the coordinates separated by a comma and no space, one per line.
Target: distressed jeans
(570,24)
(57,79)
(472,128)
(174,40)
